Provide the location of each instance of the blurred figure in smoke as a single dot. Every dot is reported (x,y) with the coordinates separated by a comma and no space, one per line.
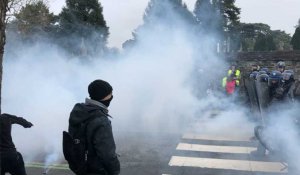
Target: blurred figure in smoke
(102,158)
(11,160)
(229,83)
(235,72)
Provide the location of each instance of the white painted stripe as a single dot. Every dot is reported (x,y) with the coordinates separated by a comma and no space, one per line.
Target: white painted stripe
(49,167)
(216,149)
(43,166)
(241,165)
(216,137)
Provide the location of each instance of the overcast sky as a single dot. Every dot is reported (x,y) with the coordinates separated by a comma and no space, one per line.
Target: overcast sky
(123,16)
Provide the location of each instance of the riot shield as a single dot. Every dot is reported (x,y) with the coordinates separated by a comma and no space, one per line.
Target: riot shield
(297,91)
(251,90)
(262,90)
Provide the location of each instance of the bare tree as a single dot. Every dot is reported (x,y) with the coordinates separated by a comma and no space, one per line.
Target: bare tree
(14,6)
(3,11)
(7,9)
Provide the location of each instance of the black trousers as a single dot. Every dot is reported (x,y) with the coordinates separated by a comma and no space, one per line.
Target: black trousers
(13,163)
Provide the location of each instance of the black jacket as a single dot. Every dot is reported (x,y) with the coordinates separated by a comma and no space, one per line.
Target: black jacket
(6,121)
(102,157)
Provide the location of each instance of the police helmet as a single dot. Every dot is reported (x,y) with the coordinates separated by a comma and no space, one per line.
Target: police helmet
(255,67)
(274,78)
(287,75)
(262,72)
(262,77)
(265,69)
(253,75)
(289,71)
(280,64)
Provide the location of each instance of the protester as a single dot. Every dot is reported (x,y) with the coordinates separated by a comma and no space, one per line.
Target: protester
(102,158)
(11,160)
(229,84)
(237,73)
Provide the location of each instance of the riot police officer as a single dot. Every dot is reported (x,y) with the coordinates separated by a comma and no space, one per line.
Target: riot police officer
(274,83)
(284,89)
(288,85)
(281,88)
(280,66)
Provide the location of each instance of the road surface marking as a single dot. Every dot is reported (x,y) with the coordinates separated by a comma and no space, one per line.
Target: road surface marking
(216,137)
(216,149)
(41,165)
(241,165)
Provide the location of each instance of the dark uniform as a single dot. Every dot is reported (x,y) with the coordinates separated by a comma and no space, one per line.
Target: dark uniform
(11,160)
(284,91)
(281,87)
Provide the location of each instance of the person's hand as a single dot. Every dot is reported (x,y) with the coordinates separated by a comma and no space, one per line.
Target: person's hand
(28,125)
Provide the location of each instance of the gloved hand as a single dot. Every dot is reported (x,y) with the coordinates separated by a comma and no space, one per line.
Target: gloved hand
(28,125)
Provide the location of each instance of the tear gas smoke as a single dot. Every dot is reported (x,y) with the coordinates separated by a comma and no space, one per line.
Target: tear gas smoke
(283,132)
(156,86)
(153,85)
(50,158)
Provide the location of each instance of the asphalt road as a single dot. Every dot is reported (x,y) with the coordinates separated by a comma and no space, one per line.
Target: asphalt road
(187,153)
(140,153)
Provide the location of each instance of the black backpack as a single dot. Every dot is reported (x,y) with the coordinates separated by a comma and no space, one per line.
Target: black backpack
(75,149)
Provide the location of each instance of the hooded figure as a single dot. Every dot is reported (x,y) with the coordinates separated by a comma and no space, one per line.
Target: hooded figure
(102,158)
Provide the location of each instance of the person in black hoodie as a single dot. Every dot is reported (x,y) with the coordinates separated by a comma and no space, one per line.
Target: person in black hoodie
(11,160)
(102,158)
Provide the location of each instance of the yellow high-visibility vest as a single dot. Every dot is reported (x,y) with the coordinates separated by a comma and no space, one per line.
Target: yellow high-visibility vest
(237,75)
(224,82)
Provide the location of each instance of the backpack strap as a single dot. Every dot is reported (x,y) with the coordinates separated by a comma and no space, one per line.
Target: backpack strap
(83,132)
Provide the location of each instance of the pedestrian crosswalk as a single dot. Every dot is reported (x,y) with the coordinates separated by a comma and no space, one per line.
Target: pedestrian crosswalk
(216,149)
(206,154)
(241,165)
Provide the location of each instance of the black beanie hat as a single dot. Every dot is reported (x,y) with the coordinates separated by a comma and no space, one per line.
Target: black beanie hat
(99,89)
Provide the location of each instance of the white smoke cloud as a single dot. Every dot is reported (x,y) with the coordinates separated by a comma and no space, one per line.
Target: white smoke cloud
(282,134)
(154,88)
